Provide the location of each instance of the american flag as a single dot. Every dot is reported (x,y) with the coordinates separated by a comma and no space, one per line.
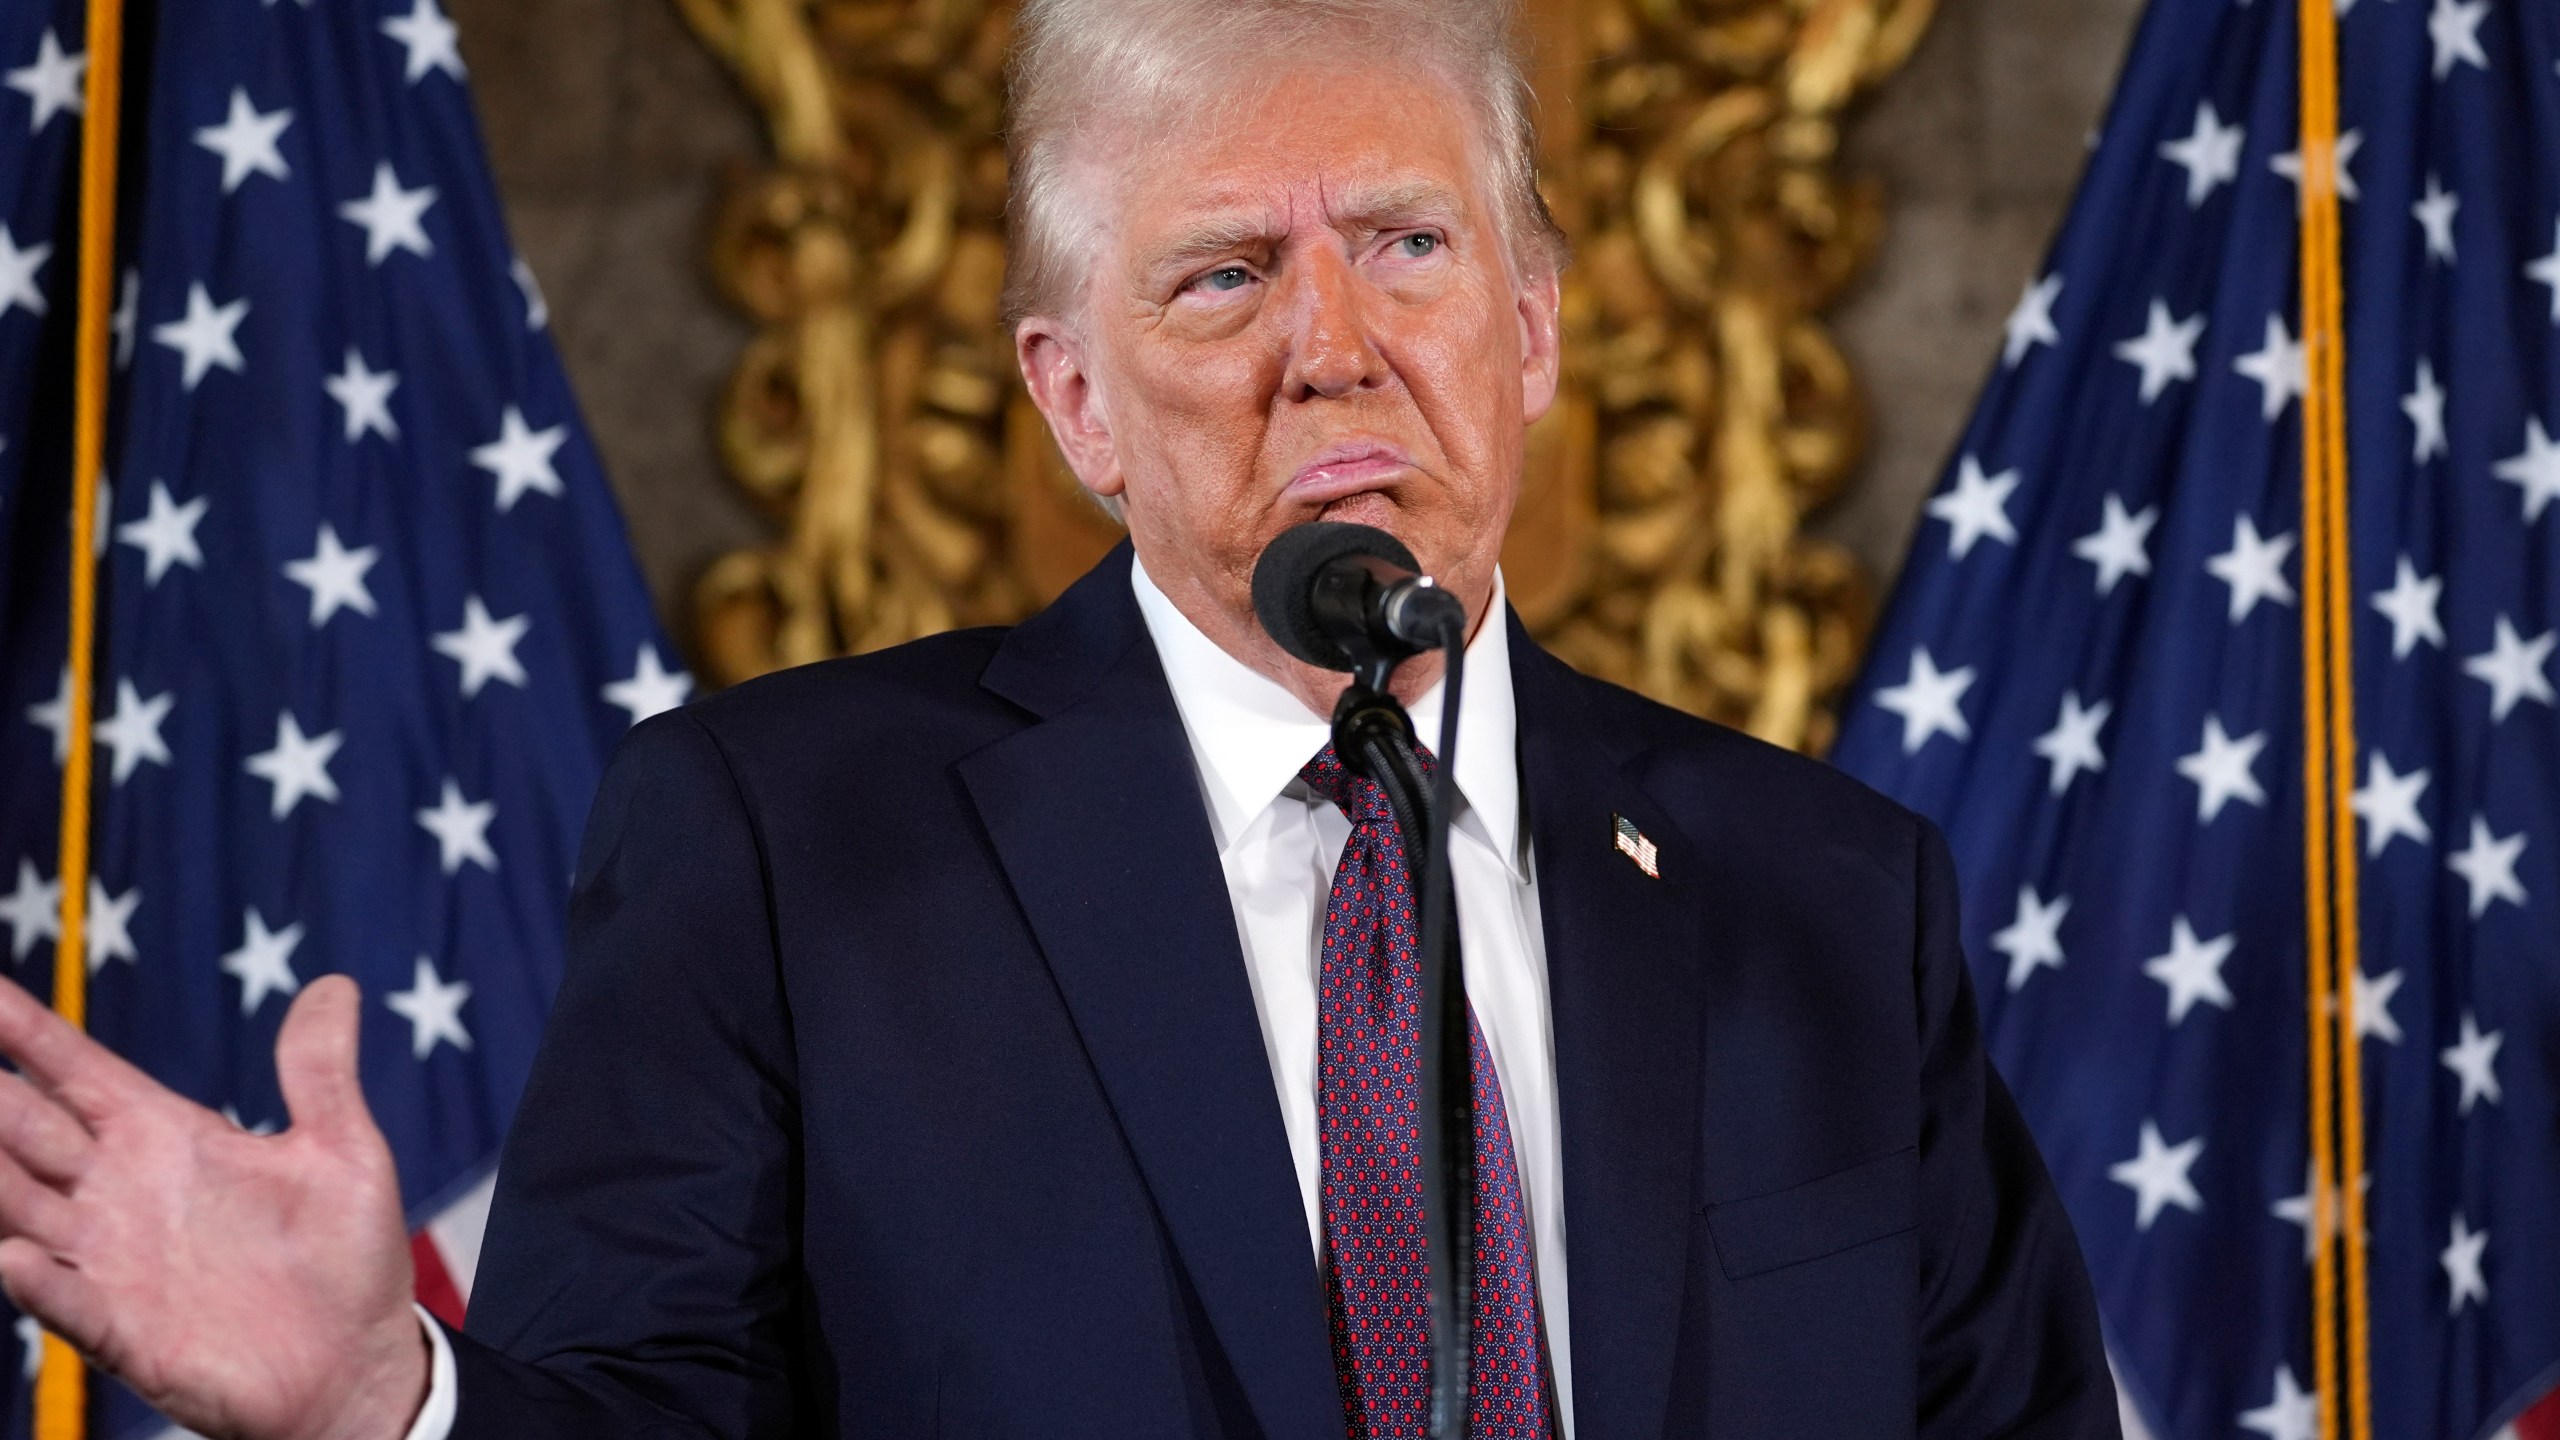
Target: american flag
(2091,677)
(369,620)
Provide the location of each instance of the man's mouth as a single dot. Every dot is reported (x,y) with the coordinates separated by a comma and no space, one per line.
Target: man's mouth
(1348,468)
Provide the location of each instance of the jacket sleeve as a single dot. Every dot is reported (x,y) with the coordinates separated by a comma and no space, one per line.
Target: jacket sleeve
(2009,1343)
(640,1272)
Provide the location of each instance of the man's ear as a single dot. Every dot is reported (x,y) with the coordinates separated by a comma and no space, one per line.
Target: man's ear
(1056,370)
(1541,344)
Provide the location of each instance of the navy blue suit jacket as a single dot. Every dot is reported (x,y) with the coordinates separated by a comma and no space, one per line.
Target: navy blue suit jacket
(905,1081)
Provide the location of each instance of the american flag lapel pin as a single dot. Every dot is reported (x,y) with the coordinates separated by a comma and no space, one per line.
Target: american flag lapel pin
(1633,844)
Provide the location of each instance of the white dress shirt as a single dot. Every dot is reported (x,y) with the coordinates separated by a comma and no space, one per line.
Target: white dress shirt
(1279,843)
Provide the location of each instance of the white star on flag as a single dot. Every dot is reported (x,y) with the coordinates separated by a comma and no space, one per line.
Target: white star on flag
(461,829)
(2462,1257)
(537,314)
(2192,969)
(2210,154)
(2158,1176)
(133,731)
(2031,322)
(2434,213)
(2033,940)
(2474,1062)
(2120,546)
(55,715)
(485,647)
(430,38)
(2453,27)
(2165,350)
(521,458)
(246,141)
(2279,368)
(2289,165)
(334,575)
(2488,866)
(2411,604)
(110,932)
(206,337)
(126,322)
(2253,567)
(2294,1414)
(2388,804)
(392,218)
(2072,744)
(433,1009)
(18,267)
(365,394)
(652,688)
(52,83)
(166,534)
(264,962)
(33,913)
(298,766)
(2513,667)
(1976,506)
(2536,470)
(2221,769)
(1929,701)
(2297,1209)
(2546,271)
(2373,997)
(2425,408)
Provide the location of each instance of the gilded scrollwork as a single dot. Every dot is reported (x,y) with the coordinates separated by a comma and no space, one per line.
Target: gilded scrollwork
(1691,150)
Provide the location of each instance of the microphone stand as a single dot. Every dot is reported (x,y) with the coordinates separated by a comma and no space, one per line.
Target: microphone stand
(1374,736)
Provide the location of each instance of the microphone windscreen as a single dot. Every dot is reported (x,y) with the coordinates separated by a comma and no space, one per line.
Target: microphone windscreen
(1284,582)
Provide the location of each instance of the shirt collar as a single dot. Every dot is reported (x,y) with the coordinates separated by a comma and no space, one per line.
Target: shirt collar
(1250,736)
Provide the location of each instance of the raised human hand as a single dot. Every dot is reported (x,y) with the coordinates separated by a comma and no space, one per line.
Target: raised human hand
(247,1286)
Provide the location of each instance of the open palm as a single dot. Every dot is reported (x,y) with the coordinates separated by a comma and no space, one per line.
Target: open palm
(246,1285)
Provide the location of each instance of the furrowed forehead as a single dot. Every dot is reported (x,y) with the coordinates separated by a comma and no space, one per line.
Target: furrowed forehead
(1357,208)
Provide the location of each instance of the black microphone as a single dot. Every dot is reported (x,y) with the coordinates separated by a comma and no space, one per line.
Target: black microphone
(1350,597)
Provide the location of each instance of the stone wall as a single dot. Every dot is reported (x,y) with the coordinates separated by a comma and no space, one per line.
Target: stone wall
(611,130)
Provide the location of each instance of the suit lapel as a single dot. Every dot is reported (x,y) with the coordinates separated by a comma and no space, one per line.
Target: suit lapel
(1624,985)
(1097,818)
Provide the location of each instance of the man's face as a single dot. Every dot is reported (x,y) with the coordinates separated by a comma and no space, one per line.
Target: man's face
(1305,307)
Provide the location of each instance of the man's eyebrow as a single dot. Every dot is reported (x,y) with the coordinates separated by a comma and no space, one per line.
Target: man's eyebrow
(1387,206)
(1211,237)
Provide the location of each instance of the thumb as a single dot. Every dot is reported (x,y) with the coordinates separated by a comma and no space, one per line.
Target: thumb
(316,1058)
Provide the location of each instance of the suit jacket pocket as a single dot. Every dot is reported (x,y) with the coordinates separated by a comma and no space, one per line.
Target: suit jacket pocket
(1840,1211)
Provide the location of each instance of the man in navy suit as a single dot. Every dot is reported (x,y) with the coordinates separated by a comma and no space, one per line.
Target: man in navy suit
(1000,1035)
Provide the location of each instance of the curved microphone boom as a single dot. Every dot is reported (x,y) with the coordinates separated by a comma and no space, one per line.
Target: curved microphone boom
(1352,597)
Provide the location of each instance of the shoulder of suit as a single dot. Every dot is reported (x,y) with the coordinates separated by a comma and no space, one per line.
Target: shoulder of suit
(905,700)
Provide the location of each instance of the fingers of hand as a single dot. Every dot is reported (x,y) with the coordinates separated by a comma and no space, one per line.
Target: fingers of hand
(41,1135)
(31,1208)
(59,1296)
(91,1079)
(316,1058)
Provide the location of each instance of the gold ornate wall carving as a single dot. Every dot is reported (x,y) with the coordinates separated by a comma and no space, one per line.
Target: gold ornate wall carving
(1691,151)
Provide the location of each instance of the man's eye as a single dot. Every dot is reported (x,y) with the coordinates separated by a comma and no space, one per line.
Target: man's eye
(1418,245)
(1225,277)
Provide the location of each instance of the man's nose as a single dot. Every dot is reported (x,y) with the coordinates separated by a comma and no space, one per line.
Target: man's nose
(1330,352)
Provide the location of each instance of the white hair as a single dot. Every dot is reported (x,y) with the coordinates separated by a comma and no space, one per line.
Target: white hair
(1079,61)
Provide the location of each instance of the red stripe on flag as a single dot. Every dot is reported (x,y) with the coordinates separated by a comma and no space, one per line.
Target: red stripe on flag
(436,1289)
(2542,1422)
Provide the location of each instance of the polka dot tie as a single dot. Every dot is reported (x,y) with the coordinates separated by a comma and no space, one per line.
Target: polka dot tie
(1368,1115)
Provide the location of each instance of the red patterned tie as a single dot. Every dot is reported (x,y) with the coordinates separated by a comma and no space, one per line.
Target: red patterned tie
(1367,1109)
